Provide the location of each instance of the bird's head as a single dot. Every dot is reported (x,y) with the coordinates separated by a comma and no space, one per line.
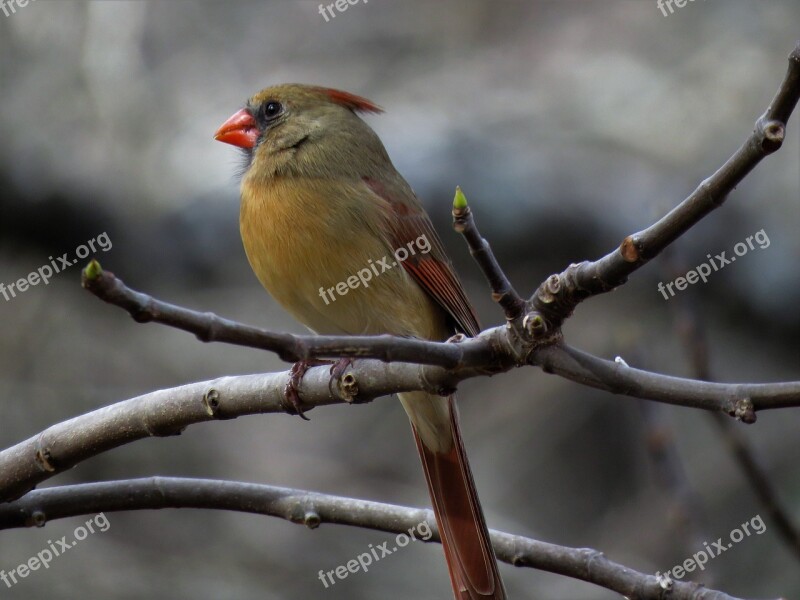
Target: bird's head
(302,129)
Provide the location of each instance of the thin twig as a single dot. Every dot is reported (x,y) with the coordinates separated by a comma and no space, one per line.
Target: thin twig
(692,334)
(756,475)
(493,351)
(502,291)
(739,400)
(686,505)
(208,327)
(312,509)
(558,296)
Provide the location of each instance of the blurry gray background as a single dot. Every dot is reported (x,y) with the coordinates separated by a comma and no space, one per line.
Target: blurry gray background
(568,125)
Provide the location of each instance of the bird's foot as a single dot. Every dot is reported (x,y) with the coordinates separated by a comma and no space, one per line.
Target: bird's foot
(340,366)
(296,374)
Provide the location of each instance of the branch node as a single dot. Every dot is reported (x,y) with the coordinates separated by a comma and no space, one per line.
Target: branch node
(311,519)
(457,338)
(144,314)
(211,402)
(209,333)
(535,325)
(629,249)
(665,582)
(44,459)
(591,556)
(773,133)
(348,387)
(744,411)
(37,519)
(518,560)
(553,287)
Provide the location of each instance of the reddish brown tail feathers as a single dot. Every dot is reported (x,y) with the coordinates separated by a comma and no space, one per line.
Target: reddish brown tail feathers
(467,549)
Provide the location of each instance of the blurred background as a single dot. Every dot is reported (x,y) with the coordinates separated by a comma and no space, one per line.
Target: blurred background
(568,124)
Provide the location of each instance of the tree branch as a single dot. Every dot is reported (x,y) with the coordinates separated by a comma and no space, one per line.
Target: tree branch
(312,509)
(532,338)
(168,412)
(692,334)
(493,351)
(208,327)
(686,507)
(739,400)
(502,291)
(557,297)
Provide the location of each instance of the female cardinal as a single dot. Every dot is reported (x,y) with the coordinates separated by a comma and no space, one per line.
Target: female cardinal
(321,203)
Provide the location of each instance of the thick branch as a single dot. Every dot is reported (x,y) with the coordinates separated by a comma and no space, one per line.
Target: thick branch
(312,509)
(168,412)
(493,351)
(557,297)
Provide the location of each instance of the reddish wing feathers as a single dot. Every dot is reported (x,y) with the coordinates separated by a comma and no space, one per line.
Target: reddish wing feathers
(436,278)
(470,558)
(351,101)
(432,271)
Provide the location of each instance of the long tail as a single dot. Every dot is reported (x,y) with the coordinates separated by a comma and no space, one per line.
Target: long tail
(465,538)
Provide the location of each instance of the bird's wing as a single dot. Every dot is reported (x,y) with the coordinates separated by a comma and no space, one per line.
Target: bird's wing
(433,271)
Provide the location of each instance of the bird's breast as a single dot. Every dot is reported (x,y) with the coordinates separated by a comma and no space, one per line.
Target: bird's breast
(318,247)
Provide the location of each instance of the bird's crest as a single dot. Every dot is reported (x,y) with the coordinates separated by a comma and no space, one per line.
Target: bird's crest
(351,101)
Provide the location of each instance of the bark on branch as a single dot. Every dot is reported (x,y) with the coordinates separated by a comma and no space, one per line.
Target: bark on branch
(312,509)
(531,336)
(557,297)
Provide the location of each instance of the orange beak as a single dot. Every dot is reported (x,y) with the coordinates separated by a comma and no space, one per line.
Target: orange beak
(240,130)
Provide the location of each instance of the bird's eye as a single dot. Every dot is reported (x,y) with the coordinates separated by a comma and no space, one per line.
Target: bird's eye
(272,109)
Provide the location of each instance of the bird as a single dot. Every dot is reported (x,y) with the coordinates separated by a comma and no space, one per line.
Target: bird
(322,205)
